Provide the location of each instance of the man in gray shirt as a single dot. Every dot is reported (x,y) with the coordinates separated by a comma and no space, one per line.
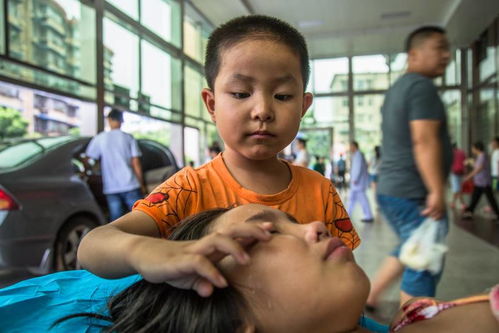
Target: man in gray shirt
(417,156)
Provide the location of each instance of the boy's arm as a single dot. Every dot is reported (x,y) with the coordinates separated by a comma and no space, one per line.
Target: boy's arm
(108,250)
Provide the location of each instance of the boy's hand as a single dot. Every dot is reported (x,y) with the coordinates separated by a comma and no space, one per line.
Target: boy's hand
(191,264)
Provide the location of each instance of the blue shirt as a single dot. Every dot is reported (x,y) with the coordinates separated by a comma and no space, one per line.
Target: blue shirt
(115,150)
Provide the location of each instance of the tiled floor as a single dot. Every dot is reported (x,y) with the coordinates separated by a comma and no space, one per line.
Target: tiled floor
(472,262)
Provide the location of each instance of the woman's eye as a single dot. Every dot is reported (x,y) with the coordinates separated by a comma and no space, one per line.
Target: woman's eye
(283,97)
(274,231)
(240,95)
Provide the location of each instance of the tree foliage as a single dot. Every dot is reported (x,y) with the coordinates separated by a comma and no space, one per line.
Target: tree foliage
(12,124)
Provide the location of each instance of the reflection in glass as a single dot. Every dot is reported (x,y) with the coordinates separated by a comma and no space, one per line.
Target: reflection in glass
(452,102)
(367,122)
(330,75)
(129,7)
(193,85)
(159,71)
(56,35)
(121,54)
(42,113)
(488,65)
(486,115)
(398,66)
(333,112)
(163,18)
(370,72)
(453,71)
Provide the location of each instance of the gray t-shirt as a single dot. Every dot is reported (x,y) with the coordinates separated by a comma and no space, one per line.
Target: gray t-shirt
(412,97)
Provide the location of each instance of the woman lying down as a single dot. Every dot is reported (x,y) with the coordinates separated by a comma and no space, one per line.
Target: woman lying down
(262,272)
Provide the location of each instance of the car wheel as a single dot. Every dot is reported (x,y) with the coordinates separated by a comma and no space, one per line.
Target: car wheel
(66,245)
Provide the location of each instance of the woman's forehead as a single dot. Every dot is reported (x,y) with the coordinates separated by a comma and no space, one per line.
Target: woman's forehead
(250,213)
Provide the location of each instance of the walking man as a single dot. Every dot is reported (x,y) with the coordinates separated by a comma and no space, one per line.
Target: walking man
(417,157)
(359,182)
(121,170)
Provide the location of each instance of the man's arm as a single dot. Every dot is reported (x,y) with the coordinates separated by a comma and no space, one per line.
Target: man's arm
(427,150)
(137,169)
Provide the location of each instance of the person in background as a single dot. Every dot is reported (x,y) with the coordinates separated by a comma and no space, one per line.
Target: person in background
(341,169)
(319,165)
(302,157)
(119,156)
(456,175)
(214,150)
(359,181)
(374,166)
(482,181)
(417,157)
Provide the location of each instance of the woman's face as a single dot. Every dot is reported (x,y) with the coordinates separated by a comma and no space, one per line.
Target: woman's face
(300,280)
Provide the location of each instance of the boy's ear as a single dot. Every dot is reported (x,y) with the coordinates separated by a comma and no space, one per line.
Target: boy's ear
(308,98)
(209,101)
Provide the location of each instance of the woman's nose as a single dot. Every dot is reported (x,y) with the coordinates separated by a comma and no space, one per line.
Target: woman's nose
(316,231)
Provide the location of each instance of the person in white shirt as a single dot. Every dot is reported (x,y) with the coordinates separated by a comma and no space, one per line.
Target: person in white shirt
(302,157)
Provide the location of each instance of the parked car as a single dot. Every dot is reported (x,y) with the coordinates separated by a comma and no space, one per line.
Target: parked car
(51,196)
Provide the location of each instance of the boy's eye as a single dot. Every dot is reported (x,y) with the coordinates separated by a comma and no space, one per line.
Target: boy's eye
(283,97)
(240,95)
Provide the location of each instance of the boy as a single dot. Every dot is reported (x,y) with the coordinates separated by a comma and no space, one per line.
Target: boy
(257,70)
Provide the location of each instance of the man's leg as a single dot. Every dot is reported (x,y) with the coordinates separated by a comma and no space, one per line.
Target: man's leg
(492,200)
(366,207)
(390,270)
(114,206)
(130,198)
(475,197)
(352,200)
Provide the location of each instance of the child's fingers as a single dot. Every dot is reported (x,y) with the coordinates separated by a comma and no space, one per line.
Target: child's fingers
(207,271)
(203,287)
(259,231)
(216,246)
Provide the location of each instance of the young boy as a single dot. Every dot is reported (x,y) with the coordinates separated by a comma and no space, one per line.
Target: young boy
(257,70)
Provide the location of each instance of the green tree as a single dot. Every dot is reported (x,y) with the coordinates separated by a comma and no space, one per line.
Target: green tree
(12,124)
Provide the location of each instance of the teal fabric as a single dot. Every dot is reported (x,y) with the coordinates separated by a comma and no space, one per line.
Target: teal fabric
(372,325)
(33,305)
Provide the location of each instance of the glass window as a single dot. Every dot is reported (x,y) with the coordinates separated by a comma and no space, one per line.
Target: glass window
(453,71)
(486,115)
(330,75)
(452,102)
(30,113)
(160,77)
(121,66)
(2,27)
(129,7)
(193,85)
(163,18)
(333,112)
(469,67)
(56,35)
(196,32)
(367,122)
(487,65)
(370,72)
(398,66)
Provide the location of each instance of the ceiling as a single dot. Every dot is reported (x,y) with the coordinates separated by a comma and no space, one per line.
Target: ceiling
(335,28)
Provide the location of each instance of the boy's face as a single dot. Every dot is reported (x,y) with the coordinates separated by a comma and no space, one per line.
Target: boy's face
(258,98)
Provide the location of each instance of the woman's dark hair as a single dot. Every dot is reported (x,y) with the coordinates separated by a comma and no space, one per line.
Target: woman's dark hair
(253,27)
(479,146)
(148,307)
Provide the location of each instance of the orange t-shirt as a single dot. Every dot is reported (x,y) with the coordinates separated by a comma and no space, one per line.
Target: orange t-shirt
(309,197)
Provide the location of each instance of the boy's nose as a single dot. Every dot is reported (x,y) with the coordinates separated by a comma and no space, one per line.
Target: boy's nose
(316,231)
(263,110)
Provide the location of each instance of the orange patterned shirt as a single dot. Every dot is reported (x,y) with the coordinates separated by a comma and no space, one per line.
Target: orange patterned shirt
(309,197)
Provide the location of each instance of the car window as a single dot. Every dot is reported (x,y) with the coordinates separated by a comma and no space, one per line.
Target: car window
(16,154)
(12,156)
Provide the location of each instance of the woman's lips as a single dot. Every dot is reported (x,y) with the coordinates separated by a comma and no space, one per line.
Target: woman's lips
(336,248)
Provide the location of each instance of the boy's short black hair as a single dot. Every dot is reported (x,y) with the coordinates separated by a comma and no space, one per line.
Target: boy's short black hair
(253,27)
(421,34)
(116,114)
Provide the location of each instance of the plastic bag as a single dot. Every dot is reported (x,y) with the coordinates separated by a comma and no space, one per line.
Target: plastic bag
(424,249)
